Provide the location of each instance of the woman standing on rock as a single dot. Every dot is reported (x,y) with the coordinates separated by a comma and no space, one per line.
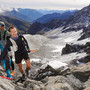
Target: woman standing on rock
(4,34)
(19,44)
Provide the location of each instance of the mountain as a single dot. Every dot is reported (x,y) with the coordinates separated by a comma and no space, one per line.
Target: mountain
(80,20)
(54,11)
(24,14)
(22,26)
(48,22)
(31,13)
(46,18)
(16,14)
(35,27)
(39,28)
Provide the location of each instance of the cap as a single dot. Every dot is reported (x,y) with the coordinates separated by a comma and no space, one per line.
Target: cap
(2,23)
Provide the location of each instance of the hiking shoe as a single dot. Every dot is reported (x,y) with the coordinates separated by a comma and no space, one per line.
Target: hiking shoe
(8,73)
(10,77)
(23,77)
(12,73)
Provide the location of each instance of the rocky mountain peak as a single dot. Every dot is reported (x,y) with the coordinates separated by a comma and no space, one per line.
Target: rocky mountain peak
(79,20)
(83,15)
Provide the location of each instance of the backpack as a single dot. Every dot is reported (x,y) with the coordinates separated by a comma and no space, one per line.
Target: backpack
(25,43)
(4,36)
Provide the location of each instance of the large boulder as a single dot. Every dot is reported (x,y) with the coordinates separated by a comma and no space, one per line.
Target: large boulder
(82,72)
(59,86)
(29,84)
(51,68)
(87,84)
(62,83)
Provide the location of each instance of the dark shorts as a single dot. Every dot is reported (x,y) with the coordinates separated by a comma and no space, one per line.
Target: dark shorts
(20,57)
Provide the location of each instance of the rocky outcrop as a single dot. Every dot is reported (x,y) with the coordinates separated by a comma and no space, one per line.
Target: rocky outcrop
(29,84)
(82,72)
(62,83)
(87,49)
(50,69)
(86,33)
(72,48)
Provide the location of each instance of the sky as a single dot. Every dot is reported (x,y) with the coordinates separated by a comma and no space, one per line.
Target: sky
(45,4)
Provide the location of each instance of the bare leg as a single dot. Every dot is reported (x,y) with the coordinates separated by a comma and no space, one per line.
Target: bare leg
(20,68)
(28,64)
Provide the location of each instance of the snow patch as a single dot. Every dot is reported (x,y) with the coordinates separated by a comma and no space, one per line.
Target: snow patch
(68,57)
(70,39)
(32,60)
(35,60)
(56,64)
(58,49)
(82,41)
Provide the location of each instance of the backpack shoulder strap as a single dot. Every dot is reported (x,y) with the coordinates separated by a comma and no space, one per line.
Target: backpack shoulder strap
(4,34)
(14,45)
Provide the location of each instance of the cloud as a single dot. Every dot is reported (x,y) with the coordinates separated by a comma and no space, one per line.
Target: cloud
(46,4)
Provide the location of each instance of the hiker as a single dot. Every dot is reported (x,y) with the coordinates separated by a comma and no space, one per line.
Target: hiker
(20,48)
(4,34)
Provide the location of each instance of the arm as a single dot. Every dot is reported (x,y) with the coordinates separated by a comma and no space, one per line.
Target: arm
(5,51)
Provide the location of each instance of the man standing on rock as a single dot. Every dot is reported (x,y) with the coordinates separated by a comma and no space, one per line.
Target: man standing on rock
(20,48)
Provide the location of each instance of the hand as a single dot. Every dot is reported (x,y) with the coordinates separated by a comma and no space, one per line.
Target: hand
(33,50)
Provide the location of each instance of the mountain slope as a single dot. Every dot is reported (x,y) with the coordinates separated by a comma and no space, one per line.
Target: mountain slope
(54,11)
(35,27)
(17,15)
(21,25)
(48,17)
(31,13)
(49,21)
(23,14)
(80,20)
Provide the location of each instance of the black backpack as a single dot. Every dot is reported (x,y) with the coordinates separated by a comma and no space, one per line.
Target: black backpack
(25,43)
